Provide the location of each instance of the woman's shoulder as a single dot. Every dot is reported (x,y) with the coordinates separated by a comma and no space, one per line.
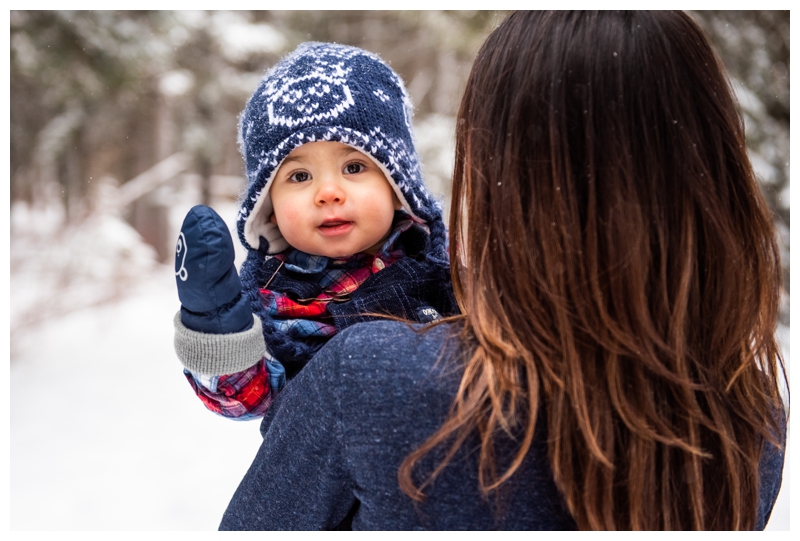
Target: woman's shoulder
(397,337)
(379,355)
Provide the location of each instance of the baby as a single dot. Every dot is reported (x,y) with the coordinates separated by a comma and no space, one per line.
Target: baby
(337,224)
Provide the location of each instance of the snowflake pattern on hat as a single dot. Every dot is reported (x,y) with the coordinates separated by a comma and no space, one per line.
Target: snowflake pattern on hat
(297,101)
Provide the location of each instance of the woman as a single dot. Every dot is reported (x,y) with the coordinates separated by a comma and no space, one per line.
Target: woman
(615,366)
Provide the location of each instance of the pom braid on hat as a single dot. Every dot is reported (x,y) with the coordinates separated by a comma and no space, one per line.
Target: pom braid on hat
(330,92)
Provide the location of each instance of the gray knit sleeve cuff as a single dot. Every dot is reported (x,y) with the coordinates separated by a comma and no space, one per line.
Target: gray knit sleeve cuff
(218,354)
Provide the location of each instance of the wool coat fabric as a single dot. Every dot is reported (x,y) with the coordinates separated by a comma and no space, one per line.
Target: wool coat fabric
(336,436)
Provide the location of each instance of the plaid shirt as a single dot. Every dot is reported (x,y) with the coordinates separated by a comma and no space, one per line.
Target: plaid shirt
(246,395)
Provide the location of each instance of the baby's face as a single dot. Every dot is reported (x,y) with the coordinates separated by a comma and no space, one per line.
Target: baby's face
(332,200)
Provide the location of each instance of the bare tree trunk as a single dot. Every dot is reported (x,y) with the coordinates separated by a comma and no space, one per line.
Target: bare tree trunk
(151,220)
(204,167)
(70,176)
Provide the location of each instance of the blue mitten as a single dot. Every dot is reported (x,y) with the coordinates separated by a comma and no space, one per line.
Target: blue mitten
(209,288)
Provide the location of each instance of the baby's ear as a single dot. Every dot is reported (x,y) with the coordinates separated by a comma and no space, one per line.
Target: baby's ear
(397,204)
(273,219)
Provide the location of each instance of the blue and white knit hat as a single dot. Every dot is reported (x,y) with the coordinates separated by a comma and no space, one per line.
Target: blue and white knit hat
(329,92)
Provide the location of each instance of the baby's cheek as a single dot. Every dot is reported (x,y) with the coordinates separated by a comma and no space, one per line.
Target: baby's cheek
(381,216)
(288,216)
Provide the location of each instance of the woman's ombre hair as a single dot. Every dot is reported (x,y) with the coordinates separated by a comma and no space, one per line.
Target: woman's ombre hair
(617,269)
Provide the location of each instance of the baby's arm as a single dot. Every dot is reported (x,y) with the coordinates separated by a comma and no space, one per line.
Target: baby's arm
(241,396)
(232,374)
(217,337)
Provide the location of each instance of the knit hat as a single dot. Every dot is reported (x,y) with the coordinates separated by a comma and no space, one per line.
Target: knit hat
(329,92)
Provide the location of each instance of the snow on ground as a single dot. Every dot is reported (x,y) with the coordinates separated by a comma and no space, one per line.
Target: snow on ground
(106,434)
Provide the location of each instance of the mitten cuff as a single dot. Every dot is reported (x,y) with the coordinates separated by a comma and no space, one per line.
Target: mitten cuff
(218,354)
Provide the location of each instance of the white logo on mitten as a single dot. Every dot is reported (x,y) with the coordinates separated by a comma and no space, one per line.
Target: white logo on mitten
(181,273)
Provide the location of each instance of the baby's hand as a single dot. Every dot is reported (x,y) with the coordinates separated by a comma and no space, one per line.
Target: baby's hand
(208,285)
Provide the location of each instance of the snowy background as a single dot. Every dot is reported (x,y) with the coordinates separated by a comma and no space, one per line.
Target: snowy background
(113,138)
(106,433)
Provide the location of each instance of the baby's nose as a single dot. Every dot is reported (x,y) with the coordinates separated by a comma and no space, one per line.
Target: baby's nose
(330,192)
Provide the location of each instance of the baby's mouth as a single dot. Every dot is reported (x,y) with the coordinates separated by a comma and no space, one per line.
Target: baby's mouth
(334,223)
(335,227)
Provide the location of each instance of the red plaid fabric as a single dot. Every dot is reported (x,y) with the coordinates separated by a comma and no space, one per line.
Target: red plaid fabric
(244,395)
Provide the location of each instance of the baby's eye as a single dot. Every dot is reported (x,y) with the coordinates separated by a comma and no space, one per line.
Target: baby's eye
(353,168)
(300,176)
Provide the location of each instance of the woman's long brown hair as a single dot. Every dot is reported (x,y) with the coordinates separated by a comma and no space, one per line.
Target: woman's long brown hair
(618,272)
